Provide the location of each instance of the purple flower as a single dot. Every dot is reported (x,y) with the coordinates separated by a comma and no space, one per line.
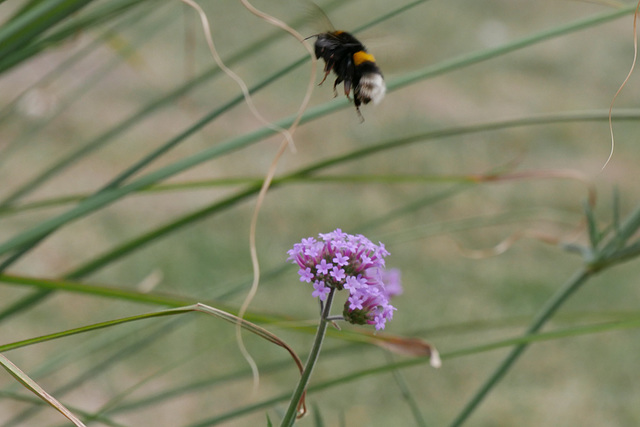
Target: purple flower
(341,259)
(355,302)
(365,260)
(305,275)
(320,290)
(358,266)
(391,280)
(337,274)
(371,309)
(352,283)
(323,267)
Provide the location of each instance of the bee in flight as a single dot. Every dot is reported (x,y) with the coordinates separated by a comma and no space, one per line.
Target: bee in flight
(347,57)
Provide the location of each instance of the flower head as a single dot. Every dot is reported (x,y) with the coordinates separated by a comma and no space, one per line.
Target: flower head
(344,261)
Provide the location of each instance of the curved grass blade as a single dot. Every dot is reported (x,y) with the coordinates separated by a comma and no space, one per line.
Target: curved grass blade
(198,307)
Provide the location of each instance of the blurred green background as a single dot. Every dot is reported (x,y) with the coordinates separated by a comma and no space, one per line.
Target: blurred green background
(430,205)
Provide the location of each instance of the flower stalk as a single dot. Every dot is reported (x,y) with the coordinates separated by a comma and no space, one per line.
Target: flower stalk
(293,411)
(339,261)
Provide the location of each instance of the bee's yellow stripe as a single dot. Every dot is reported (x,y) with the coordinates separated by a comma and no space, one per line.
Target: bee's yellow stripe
(362,56)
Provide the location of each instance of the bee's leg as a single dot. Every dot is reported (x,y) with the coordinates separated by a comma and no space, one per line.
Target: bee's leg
(327,70)
(347,88)
(336,83)
(360,116)
(357,102)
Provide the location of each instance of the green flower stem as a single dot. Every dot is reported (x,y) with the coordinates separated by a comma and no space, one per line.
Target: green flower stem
(547,311)
(292,411)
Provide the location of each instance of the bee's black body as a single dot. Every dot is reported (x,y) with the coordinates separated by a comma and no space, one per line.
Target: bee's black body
(349,60)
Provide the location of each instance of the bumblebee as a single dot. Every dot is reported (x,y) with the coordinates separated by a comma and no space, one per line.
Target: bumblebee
(347,57)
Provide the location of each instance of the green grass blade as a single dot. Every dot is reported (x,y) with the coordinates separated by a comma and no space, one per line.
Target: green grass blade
(65,67)
(303,175)
(407,395)
(86,21)
(152,298)
(35,388)
(33,21)
(90,82)
(544,314)
(154,106)
(16,397)
(484,55)
(103,199)
(390,367)
(355,155)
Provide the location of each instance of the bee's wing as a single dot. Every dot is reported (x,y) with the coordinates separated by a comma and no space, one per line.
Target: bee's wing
(316,18)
